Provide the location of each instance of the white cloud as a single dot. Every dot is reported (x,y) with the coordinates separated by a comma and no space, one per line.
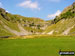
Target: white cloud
(54,0)
(0,4)
(51,16)
(7,11)
(29,4)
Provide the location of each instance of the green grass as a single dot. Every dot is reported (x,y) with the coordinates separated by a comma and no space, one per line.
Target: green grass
(37,46)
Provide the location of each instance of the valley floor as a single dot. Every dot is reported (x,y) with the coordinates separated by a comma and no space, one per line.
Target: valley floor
(44,46)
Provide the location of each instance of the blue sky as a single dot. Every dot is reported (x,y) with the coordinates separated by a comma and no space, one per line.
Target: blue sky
(44,9)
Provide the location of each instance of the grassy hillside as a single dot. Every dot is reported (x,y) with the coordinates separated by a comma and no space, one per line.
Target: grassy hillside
(42,46)
(61,26)
(64,24)
(14,24)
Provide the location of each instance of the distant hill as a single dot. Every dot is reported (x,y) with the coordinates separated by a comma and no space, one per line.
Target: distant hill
(19,25)
(64,24)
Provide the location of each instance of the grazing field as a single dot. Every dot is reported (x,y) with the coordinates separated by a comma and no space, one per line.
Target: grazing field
(47,46)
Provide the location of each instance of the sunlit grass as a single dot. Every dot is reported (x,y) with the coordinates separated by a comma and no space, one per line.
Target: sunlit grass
(39,46)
